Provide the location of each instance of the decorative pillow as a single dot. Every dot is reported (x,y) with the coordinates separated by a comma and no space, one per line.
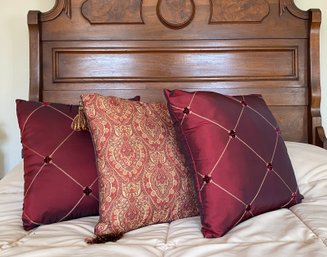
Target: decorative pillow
(239,158)
(142,177)
(59,165)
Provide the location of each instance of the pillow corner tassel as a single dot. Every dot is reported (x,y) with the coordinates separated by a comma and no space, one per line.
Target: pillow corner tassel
(79,122)
(114,237)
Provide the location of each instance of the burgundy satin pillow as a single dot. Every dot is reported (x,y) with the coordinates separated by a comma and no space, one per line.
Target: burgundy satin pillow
(239,158)
(60,176)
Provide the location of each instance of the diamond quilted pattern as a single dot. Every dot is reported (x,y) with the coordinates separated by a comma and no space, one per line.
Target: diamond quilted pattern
(60,177)
(240,161)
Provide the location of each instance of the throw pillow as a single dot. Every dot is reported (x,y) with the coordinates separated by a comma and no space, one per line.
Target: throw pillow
(142,176)
(239,158)
(60,177)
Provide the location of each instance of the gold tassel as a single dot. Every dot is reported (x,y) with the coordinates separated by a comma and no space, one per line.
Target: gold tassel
(113,237)
(79,122)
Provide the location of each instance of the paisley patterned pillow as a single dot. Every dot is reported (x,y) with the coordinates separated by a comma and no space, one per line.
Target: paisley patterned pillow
(142,176)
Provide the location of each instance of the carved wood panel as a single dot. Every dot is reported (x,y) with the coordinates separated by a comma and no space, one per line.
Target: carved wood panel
(238,10)
(113,11)
(175,14)
(142,65)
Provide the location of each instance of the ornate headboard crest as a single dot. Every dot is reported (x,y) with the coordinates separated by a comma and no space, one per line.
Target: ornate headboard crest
(180,13)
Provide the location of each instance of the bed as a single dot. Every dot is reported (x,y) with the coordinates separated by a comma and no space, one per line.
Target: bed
(141,47)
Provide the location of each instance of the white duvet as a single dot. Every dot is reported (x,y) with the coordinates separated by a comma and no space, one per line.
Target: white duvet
(299,231)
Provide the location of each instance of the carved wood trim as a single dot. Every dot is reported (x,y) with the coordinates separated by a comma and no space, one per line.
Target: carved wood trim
(314,80)
(238,11)
(292,8)
(321,139)
(35,93)
(176,14)
(59,7)
(114,12)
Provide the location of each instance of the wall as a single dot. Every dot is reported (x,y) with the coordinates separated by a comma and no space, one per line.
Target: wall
(14,69)
(14,73)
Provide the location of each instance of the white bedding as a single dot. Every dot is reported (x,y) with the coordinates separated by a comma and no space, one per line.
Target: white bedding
(299,231)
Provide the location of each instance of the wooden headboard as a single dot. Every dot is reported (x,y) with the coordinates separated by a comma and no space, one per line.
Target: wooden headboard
(138,47)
